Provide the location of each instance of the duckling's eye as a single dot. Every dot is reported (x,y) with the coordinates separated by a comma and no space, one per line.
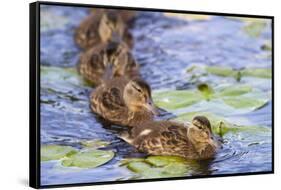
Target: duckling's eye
(139,90)
(200,127)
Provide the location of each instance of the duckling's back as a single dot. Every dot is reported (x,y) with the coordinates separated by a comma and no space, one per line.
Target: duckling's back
(107,100)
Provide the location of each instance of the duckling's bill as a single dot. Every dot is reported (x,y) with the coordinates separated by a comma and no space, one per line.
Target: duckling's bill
(150,106)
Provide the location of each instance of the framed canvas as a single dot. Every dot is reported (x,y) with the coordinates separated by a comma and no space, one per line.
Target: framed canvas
(123,94)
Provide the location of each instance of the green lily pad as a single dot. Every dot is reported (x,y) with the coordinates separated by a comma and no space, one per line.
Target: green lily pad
(234,90)
(229,72)
(254,29)
(56,152)
(88,159)
(174,99)
(52,74)
(94,143)
(160,161)
(257,72)
(231,99)
(128,160)
(221,71)
(245,102)
(162,166)
(61,82)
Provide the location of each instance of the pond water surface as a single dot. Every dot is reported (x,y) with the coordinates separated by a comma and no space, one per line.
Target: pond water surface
(164,47)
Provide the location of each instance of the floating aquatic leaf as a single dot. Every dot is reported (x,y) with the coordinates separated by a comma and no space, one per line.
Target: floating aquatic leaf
(229,72)
(231,99)
(52,74)
(162,166)
(174,99)
(160,161)
(244,102)
(128,160)
(61,82)
(88,159)
(234,90)
(254,29)
(138,166)
(257,72)
(94,143)
(221,71)
(56,152)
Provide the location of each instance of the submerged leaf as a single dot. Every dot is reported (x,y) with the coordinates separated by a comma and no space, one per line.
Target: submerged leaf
(56,152)
(88,159)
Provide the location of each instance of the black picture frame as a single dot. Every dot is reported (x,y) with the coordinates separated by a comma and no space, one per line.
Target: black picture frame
(34,93)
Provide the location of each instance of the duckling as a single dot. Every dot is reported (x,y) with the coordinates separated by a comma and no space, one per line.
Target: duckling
(106,61)
(191,141)
(100,27)
(123,101)
(126,15)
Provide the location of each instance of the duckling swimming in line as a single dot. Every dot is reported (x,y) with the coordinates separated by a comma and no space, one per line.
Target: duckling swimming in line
(126,15)
(191,141)
(107,61)
(100,27)
(124,101)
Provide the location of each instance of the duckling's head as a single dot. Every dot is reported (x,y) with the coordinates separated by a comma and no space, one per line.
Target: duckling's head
(118,55)
(110,27)
(137,96)
(113,51)
(200,132)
